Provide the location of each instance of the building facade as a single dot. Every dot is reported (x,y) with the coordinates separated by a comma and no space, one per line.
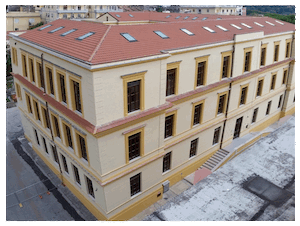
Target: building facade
(116,117)
(210,9)
(17,21)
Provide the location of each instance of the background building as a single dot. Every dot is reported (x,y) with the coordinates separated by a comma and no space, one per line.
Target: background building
(16,21)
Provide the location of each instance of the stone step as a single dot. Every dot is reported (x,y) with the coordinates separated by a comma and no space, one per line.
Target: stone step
(207,167)
(223,151)
(220,155)
(212,161)
(209,164)
(218,158)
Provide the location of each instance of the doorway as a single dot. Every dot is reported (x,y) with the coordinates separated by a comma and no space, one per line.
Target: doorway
(237,129)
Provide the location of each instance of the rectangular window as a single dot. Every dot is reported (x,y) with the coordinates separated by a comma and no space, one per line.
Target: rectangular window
(134,146)
(29,108)
(284,77)
(40,75)
(56,126)
(135,184)
(259,87)
(169,121)
(37,137)
(31,69)
(276,52)
(247,61)
(50,80)
(77,99)
(55,155)
(225,71)
(76,173)
(221,106)
(62,86)
(133,96)
(65,163)
(216,135)
(90,186)
(82,148)
(263,56)
(193,149)
(280,100)
(171,81)
(167,162)
(68,136)
(201,73)
(46,118)
(268,107)
(197,114)
(14,56)
(287,50)
(45,145)
(24,65)
(37,110)
(254,115)
(243,98)
(273,81)
(19,94)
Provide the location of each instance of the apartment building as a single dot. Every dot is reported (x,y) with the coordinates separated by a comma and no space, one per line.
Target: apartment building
(17,21)
(119,111)
(50,13)
(210,9)
(97,10)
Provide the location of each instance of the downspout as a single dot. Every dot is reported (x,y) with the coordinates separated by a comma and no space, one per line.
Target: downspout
(229,92)
(288,75)
(48,113)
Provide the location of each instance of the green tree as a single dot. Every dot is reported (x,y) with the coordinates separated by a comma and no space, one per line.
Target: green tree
(8,61)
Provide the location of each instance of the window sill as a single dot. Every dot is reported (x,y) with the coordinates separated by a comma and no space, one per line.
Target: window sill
(70,149)
(92,198)
(173,95)
(78,184)
(133,160)
(78,113)
(51,95)
(137,194)
(168,138)
(169,170)
(257,97)
(63,103)
(67,174)
(133,112)
(219,114)
(84,161)
(215,144)
(193,156)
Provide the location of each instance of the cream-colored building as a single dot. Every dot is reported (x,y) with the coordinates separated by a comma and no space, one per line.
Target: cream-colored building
(122,110)
(53,12)
(17,21)
(210,9)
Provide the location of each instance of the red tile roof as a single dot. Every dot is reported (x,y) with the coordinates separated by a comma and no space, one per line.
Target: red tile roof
(162,17)
(107,45)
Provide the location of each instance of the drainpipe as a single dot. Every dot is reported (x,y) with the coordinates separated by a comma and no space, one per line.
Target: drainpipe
(229,92)
(48,113)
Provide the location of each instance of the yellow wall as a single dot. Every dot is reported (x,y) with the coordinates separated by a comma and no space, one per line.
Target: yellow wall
(23,17)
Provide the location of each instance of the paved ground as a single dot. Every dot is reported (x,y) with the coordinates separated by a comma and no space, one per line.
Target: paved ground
(27,177)
(221,195)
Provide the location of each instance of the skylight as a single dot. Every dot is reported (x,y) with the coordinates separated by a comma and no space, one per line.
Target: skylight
(162,35)
(222,28)
(237,27)
(168,16)
(246,25)
(68,32)
(86,35)
(208,29)
(279,22)
(45,27)
(130,15)
(118,15)
(186,17)
(219,18)
(259,24)
(195,18)
(56,29)
(128,37)
(186,31)
(204,18)
(270,23)
(177,17)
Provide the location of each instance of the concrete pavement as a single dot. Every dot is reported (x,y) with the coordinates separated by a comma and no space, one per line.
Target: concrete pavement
(221,196)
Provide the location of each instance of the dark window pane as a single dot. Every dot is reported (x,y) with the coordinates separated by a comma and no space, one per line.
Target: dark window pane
(77,96)
(171,77)
(247,61)
(37,137)
(45,145)
(82,147)
(167,162)
(254,115)
(287,50)
(65,163)
(284,77)
(268,107)
(24,65)
(55,155)
(201,73)
(221,104)
(63,88)
(90,187)
(279,102)
(193,149)
(37,110)
(225,67)
(276,53)
(134,145)
(197,114)
(216,135)
(56,125)
(69,136)
(51,81)
(259,88)
(32,70)
(273,82)
(41,75)
(46,118)
(133,96)
(243,95)
(169,126)
(29,103)
(263,56)
(76,173)
(135,184)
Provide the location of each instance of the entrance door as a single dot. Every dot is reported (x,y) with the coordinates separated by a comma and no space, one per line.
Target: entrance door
(238,126)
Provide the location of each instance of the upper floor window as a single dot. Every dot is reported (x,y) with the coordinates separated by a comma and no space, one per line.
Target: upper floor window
(193,149)
(76,96)
(14,56)
(201,70)
(31,69)
(24,64)
(222,103)
(226,65)
(65,7)
(288,48)
(90,187)
(259,87)
(134,146)
(56,126)
(216,135)
(263,55)
(133,95)
(254,115)
(280,100)
(198,108)
(76,174)
(247,59)
(40,76)
(243,95)
(135,184)
(62,88)
(167,162)
(273,81)
(65,163)
(171,82)
(268,108)
(276,51)
(37,111)
(50,87)
(82,147)
(284,76)
(29,108)
(170,125)
(18,89)
(68,136)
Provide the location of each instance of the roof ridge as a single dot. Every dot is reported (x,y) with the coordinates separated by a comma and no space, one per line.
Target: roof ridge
(99,44)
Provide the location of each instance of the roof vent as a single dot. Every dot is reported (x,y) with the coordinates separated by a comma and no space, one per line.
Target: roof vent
(270,23)
(237,27)
(259,24)
(222,28)
(246,25)
(186,31)
(279,22)
(208,29)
